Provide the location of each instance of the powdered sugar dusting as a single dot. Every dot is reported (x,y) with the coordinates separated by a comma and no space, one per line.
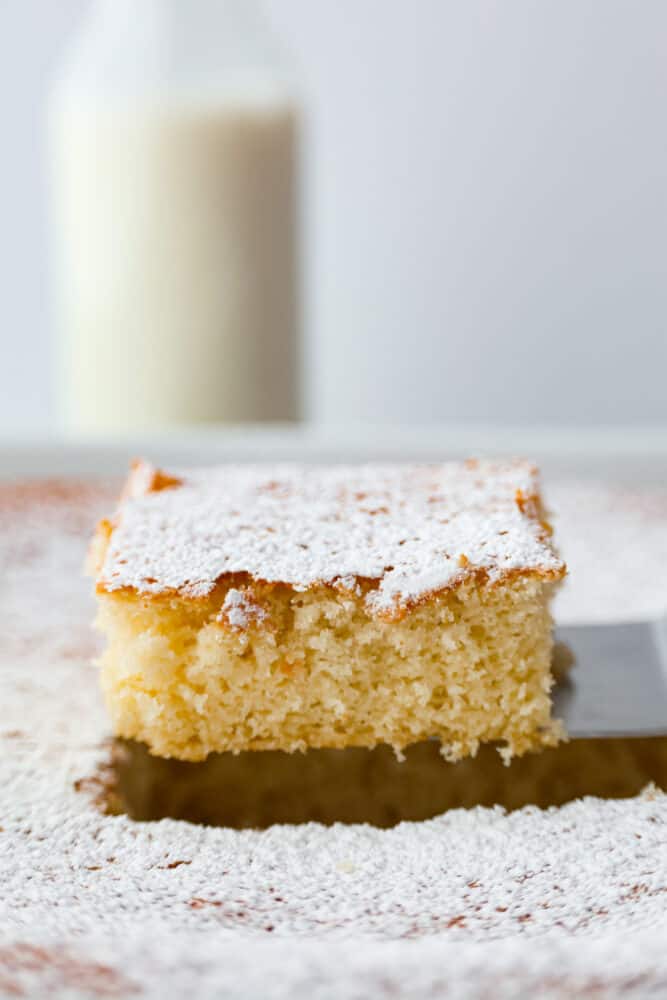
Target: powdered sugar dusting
(566,902)
(413,529)
(239,610)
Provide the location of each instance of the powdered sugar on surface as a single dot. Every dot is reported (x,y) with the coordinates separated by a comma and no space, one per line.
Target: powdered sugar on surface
(567,902)
(615,544)
(414,529)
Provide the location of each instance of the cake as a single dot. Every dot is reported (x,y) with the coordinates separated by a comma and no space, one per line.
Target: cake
(292,607)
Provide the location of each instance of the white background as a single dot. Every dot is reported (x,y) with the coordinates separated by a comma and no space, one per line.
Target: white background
(486,208)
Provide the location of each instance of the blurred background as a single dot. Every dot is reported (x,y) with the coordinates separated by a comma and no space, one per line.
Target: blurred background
(482,203)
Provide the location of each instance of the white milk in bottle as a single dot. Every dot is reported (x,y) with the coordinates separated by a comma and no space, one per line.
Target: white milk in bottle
(174,188)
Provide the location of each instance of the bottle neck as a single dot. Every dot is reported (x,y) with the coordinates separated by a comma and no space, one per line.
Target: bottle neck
(175,46)
(225,20)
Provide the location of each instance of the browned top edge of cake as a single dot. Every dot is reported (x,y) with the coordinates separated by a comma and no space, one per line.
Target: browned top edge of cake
(146,479)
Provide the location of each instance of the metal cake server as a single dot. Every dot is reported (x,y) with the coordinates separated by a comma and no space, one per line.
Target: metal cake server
(617,685)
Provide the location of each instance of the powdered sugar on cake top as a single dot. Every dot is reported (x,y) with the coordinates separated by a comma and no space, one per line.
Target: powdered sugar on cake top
(415,529)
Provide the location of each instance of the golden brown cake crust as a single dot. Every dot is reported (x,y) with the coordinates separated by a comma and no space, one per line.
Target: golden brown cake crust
(400,533)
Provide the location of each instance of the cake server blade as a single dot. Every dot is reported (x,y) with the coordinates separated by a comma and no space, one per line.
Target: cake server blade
(617,685)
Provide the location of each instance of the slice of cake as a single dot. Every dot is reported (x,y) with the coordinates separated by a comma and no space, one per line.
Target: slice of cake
(286,607)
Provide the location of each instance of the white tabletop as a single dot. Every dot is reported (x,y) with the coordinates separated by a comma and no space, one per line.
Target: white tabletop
(620,454)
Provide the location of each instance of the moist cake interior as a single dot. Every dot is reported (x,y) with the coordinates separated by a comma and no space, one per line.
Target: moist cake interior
(469,666)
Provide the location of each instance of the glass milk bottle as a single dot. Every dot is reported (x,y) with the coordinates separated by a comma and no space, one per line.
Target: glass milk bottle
(173,154)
